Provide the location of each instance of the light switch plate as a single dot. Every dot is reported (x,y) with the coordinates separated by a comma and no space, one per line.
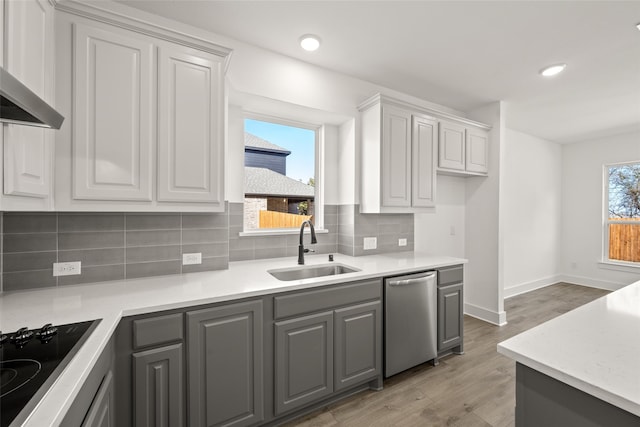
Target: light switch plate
(67,268)
(194,258)
(370,243)
(402,242)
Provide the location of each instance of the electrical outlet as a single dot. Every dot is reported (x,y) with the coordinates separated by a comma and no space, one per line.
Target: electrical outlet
(452,230)
(194,258)
(67,268)
(370,243)
(402,242)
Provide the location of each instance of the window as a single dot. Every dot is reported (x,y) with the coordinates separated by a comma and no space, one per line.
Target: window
(622,213)
(280,175)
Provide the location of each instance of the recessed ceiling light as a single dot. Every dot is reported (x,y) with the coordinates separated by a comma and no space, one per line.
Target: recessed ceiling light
(552,70)
(309,42)
(638,26)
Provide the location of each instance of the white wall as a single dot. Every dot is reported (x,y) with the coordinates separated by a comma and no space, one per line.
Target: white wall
(347,164)
(582,208)
(442,232)
(264,73)
(531,212)
(331,177)
(483,233)
(234,154)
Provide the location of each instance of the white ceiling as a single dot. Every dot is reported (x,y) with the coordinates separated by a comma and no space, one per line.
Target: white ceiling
(459,54)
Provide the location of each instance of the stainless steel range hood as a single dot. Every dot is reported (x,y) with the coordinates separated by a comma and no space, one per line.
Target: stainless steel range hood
(18,104)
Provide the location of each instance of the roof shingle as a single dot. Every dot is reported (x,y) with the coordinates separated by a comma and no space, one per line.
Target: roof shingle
(252,141)
(267,182)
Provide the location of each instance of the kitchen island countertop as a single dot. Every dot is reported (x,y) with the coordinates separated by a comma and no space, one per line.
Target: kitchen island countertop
(110,301)
(594,348)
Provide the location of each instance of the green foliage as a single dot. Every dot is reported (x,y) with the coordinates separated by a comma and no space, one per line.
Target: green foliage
(303,208)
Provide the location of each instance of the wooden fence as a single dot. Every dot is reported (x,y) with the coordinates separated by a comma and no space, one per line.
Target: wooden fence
(624,242)
(271,219)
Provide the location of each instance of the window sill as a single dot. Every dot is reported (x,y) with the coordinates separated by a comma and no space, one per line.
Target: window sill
(620,266)
(279,232)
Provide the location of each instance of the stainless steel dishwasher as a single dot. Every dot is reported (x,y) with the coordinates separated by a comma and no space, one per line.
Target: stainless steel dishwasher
(410,327)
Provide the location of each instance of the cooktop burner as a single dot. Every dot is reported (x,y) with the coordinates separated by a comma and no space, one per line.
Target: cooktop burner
(30,361)
(16,373)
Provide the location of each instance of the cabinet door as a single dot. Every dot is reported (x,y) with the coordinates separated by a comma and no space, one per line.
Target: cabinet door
(423,168)
(451,146)
(113,115)
(477,150)
(396,157)
(303,360)
(158,386)
(190,146)
(358,344)
(450,316)
(101,412)
(28,150)
(225,365)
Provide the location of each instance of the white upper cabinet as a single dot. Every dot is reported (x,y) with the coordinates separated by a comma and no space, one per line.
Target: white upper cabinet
(190,102)
(404,145)
(477,147)
(424,137)
(147,111)
(463,149)
(28,26)
(113,115)
(451,151)
(397,159)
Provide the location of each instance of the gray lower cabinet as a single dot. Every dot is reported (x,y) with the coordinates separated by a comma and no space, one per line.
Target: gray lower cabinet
(450,309)
(545,401)
(303,360)
(327,341)
(450,320)
(150,371)
(225,357)
(248,363)
(358,344)
(157,386)
(101,412)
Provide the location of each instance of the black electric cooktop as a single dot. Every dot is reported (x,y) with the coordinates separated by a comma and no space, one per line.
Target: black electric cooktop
(30,361)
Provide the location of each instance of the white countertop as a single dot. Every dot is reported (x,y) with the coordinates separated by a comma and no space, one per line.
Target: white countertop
(110,301)
(594,348)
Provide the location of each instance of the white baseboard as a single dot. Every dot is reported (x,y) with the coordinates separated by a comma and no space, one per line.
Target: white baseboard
(593,283)
(500,318)
(494,317)
(530,286)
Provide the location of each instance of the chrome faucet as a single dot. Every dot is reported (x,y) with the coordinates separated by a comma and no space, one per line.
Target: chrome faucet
(301,249)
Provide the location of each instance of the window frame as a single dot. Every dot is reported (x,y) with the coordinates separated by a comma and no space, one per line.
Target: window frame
(319,160)
(606,261)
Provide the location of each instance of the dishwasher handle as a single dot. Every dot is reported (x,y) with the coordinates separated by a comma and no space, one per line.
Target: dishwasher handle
(412,281)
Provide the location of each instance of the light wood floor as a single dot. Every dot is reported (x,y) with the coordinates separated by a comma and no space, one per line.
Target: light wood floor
(475,389)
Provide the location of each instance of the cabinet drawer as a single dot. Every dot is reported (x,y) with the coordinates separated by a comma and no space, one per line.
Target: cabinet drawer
(321,299)
(157,330)
(450,275)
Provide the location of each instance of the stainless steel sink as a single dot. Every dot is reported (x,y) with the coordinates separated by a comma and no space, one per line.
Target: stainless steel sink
(311,271)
